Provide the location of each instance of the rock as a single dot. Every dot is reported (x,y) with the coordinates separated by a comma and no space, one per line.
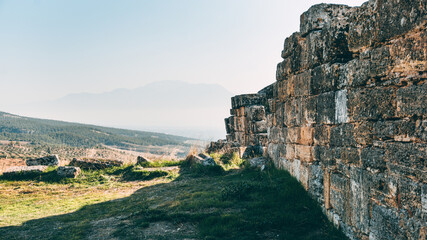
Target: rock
(259,162)
(142,160)
(24,170)
(52,160)
(68,171)
(203,159)
(95,164)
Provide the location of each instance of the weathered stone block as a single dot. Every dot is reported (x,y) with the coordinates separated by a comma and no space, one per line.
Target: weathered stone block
(373,158)
(308,110)
(52,160)
(325,155)
(292,45)
(256,113)
(341,115)
(302,83)
(292,135)
(363,132)
(260,127)
(371,104)
(315,182)
(275,135)
(68,171)
(323,16)
(342,135)
(412,100)
(324,78)
(401,130)
(381,63)
(290,151)
(305,136)
(326,108)
(22,170)
(360,199)
(407,158)
(347,155)
(321,134)
(355,73)
(304,153)
(304,175)
(339,199)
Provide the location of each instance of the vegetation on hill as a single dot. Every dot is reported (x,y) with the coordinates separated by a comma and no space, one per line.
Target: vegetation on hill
(41,131)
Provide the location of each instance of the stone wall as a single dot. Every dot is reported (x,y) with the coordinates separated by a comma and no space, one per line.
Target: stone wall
(347,116)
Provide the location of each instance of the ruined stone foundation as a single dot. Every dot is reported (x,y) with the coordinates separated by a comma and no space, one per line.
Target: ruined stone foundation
(347,116)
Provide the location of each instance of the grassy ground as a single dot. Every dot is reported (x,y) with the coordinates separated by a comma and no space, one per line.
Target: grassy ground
(189,202)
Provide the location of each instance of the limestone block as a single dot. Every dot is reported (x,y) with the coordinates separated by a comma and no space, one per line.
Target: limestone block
(260,126)
(412,100)
(360,199)
(305,136)
(52,160)
(290,151)
(324,78)
(371,104)
(325,155)
(342,135)
(322,17)
(302,83)
(355,73)
(326,108)
(315,182)
(363,133)
(341,115)
(68,171)
(292,135)
(255,113)
(304,175)
(321,134)
(24,170)
(308,110)
(304,153)
(399,130)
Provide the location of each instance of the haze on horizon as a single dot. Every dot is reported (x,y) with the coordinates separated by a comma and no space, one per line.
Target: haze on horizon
(50,49)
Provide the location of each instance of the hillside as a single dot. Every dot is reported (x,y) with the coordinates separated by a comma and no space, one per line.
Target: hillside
(58,133)
(192,110)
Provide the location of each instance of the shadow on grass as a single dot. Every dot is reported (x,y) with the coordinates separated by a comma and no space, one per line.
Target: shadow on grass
(236,204)
(89,177)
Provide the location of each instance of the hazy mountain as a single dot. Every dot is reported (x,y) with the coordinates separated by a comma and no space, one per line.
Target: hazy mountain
(195,110)
(43,131)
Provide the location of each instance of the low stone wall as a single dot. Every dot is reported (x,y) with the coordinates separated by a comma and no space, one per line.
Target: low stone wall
(347,116)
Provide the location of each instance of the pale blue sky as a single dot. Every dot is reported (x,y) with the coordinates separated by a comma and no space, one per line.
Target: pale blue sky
(50,48)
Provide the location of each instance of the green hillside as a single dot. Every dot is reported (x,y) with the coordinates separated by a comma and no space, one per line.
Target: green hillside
(42,131)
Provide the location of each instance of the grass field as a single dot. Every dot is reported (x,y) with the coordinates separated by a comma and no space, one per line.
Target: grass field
(188,202)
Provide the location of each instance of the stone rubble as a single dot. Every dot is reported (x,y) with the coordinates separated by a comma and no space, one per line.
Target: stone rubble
(24,170)
(68,171)
(52,160)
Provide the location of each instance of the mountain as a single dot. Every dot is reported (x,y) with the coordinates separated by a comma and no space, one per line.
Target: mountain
(193,110)
(42,131)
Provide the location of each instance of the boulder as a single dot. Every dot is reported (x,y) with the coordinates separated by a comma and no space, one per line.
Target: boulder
(24,170)
(142,160)
(259,162)
(68,171)
(95,163)
(203,159)
(52,160)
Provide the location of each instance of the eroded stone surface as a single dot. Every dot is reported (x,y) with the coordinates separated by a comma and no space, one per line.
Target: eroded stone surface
(347,116)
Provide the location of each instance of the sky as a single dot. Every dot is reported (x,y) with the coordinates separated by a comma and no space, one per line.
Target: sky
(52,48)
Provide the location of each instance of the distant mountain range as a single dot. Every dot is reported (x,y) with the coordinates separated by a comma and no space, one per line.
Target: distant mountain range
(192,110)
(42,131)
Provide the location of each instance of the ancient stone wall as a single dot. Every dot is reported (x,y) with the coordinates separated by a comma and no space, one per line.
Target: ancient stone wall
(347,116)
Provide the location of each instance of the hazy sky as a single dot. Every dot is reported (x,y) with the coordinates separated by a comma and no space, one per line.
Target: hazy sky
(50,48)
